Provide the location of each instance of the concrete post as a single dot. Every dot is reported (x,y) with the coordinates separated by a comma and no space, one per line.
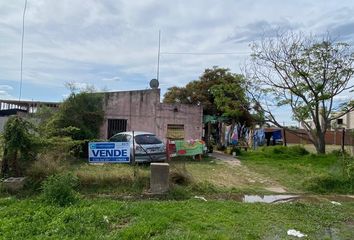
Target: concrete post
(159,183)
(13,184)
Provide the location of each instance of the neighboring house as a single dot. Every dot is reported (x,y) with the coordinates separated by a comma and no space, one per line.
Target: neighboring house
(346,121)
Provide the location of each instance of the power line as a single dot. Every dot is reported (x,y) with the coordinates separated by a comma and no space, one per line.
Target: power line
(23,37)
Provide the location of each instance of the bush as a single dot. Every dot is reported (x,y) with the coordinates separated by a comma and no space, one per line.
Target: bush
(283,153)
(47,164)
(180,176)
(63,147)
(203,188)
(79,116)
(60,189)
(19,146)
(220,147)
(329,184)
(298,150)
(178,193)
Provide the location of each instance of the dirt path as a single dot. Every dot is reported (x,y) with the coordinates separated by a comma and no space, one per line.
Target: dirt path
(248,176)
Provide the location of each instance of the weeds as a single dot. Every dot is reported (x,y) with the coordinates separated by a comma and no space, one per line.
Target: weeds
(46,164)
(60,189)
(328,184)
(179,175)
(298,170)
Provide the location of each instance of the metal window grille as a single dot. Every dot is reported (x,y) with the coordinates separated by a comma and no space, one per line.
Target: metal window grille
(116,126)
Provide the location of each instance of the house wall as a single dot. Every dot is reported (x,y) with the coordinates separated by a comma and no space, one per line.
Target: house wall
(188,115)
(144,112)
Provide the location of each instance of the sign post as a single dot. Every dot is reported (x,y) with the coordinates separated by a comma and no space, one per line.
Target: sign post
(109,152)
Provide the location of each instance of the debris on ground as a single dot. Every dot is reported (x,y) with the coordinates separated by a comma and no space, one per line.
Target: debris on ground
(201,198)
(336,203)
(105,218)
(295,233)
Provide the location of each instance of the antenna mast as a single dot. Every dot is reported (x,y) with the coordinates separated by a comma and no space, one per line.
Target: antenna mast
(158,57)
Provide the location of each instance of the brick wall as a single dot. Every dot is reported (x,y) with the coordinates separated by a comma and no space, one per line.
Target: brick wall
(332,137)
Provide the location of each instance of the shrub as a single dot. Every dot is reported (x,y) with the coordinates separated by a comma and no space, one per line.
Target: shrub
(60,189)
(237,150)
(283,153)
(298,150)
(180,176)
(178,193)
(63,147)
(19,147)
(79,116)
(203,188)
(329,184)
(47,164)
(220,147)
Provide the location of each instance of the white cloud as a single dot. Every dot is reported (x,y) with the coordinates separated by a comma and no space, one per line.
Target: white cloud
(5,95)
(110,79)
(94,42)
(6,88)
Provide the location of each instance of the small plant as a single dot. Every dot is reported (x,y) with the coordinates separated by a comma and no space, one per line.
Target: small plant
(178,193)
(59,189)
(236,150)
(180,176)
(47,164)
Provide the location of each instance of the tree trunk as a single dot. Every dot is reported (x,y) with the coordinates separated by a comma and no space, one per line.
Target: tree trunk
(320,143)
(5,164)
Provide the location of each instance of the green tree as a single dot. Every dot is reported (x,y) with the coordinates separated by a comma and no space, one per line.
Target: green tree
(18,145)
(79,116)
(230,98)
(306,73)
(208,92)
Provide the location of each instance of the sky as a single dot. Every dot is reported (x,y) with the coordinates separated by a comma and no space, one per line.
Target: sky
(113,44)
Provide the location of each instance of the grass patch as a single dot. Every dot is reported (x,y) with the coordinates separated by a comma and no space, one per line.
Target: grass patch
(112,178)
(193,219)
(298,170)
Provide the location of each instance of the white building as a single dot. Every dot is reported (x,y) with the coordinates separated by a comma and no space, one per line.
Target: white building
(346,121)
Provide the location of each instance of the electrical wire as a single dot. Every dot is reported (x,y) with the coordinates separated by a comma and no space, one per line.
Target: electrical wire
(23,37)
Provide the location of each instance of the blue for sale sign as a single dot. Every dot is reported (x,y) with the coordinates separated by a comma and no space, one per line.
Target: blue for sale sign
(109,152)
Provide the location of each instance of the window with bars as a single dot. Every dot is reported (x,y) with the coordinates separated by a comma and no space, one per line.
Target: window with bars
(175,131)
(116,126)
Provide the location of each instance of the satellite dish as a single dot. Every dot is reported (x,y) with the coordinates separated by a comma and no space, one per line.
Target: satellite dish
(154,83)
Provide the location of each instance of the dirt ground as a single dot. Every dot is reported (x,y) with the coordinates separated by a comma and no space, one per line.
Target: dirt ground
(237,175)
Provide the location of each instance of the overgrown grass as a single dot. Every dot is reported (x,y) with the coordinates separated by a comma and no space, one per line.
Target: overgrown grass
(187,177)
(298,170)
(112,178)
(193,219)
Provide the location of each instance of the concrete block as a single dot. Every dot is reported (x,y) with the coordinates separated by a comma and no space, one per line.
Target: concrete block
(13,184)
(159,178)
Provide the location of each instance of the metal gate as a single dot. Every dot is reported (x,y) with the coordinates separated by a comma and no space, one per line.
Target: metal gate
(116,126)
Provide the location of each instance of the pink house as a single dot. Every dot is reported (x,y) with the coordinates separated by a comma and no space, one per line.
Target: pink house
(142,110)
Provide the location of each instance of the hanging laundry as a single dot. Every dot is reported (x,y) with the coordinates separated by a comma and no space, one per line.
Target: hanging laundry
(234,137)
(227,135)
(277,135)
